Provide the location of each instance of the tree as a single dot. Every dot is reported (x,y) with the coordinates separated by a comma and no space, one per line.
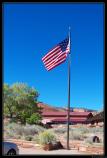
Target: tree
(23,99)
(9,102)
(26,98)
(34,119)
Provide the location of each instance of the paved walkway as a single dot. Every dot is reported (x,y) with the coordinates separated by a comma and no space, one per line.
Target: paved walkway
(34,151)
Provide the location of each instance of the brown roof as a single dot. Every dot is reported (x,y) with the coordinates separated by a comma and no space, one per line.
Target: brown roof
(71,119)
(63,119)
(65,113)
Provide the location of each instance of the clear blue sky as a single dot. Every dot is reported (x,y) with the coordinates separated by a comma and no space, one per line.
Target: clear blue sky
(30,30)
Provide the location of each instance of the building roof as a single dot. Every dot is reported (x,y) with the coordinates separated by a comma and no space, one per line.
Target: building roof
(64,119)
(71,119)
(65,113)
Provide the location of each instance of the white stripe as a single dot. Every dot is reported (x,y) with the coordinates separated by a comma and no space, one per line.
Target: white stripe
(56,61)
(53,59)
(56,64)
(50,52)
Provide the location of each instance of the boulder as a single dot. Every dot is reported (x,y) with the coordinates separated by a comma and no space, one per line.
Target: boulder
(53,146)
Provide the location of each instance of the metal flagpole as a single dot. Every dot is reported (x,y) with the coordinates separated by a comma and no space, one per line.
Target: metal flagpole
(68,111)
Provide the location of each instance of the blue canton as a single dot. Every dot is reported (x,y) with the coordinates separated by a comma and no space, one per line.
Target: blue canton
(63,44)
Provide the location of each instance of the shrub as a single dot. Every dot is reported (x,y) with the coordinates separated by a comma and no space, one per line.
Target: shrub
(34,119)
(75,135)
(29,138)
(83,130)
(60,130)
(33,129)
(13,130)
(35,138)
(46,137)
(95,129)
(89,140)
(18,130)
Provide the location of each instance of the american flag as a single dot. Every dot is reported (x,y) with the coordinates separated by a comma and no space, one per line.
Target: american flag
(57,55)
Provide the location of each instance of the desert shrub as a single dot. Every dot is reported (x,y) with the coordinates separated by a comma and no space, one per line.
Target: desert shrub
(75,135)
(46,137)
(83,130)
(18,130)
(35,138)
(18,136)
(95,129)
(30,130)
(60,130)
(29,138)
(89,140)
(13,130)
(10,126)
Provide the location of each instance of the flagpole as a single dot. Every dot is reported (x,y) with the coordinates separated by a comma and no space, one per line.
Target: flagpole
(68,111)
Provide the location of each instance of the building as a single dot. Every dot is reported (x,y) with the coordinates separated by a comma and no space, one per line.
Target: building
(61,117)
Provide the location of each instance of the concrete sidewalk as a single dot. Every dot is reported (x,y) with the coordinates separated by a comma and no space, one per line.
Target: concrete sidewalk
(34,151)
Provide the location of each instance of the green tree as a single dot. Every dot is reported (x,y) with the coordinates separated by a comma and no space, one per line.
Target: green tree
(9,101)
(35,118)
(24,101)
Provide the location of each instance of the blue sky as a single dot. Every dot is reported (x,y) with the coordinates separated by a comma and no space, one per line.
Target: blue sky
(30,30)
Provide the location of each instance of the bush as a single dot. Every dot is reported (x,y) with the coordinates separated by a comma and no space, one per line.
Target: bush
(60,130)
(75,135)
(33,129)
(83,130)
(13,130)
(29,138)
(35,138)
(96,129)
(46,137)
(34,119)
(89,140)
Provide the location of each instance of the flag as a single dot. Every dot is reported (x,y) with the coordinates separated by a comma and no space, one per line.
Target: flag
(57,55)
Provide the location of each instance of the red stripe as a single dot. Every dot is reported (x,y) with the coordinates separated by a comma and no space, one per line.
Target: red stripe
(51,55)
(54,59)
(50,52)
(57,63)
(57,59)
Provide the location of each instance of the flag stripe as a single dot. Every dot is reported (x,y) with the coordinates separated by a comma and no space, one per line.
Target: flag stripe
(58,61)
(52,56)
(50,52)
(57,55)
(61,61)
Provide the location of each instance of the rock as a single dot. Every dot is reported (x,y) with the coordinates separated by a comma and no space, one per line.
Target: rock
(58,145)
(96,139)
(53,146)
(48,146)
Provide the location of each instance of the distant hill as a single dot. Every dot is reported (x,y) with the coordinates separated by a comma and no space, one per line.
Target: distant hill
(47,108)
